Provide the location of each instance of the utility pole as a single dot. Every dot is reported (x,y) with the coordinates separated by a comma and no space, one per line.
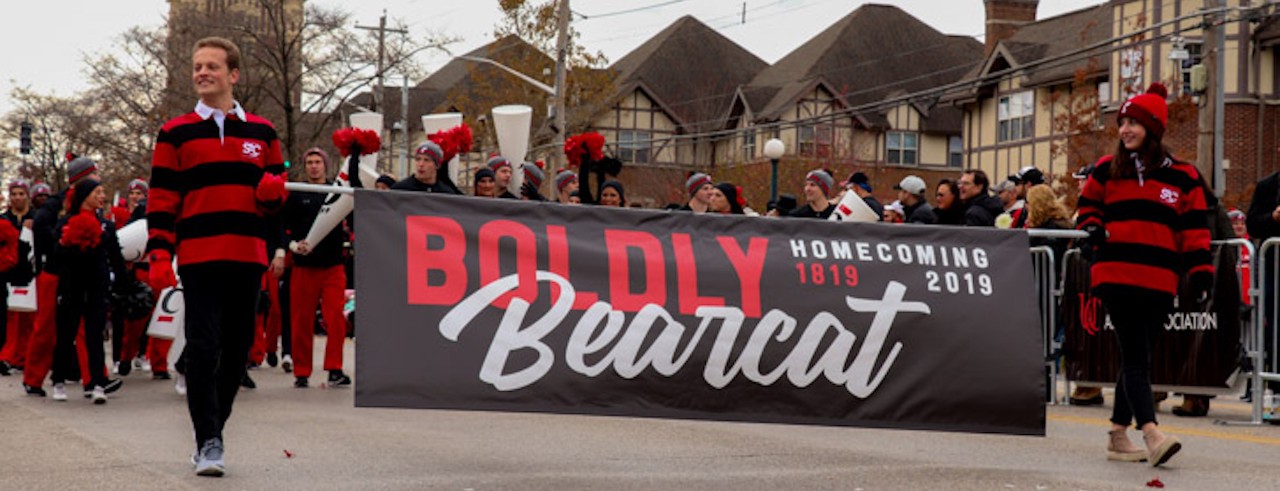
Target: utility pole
(1206,141)
(1219,100)
(382,50)
(562,54)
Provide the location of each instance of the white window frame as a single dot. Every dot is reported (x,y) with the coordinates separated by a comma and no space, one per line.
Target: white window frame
(955,152)
(1016,116)
(898,151)
(635,146)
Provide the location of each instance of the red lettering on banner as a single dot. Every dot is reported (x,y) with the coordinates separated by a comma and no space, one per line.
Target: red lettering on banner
(655,273)
(749,267)
(558,263)
(526,258)
(420,260)
(687,277)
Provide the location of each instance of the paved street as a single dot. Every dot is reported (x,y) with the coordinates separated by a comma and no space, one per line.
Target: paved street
(142,440)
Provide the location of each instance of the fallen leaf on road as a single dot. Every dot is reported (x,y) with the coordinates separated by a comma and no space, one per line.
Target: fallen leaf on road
(288,454)
(1155,483)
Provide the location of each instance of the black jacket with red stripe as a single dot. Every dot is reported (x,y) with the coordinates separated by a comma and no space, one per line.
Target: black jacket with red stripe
(201,206)
(1157,223)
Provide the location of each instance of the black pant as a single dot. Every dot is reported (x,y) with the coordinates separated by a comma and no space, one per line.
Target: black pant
(220,300)
(78,301)
(1138,317)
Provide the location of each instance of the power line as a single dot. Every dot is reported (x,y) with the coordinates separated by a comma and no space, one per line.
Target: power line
(629,11)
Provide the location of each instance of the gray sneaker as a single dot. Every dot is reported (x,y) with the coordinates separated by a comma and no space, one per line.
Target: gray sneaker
(208,459)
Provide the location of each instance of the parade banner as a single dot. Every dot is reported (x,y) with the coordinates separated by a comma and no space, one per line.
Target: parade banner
(483,304)
(1197,352)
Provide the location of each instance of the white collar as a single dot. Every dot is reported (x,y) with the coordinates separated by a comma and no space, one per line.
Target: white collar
(204,110)
(219,117)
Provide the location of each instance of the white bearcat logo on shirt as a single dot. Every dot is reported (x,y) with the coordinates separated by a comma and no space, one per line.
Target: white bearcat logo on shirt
(1168,196)
(252,149)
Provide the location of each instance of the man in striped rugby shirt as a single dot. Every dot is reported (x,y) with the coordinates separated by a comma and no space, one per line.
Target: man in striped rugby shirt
(215,188)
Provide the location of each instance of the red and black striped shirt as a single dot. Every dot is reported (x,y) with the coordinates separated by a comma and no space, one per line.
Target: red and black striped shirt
(201,206)
(1157,224)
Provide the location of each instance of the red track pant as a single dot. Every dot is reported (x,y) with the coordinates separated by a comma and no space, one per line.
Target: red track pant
(266,328)
(44,336)
(19,332)
(326,286)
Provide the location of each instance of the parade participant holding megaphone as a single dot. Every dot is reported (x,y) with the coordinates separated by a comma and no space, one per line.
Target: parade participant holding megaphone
(19,324)
(317,276)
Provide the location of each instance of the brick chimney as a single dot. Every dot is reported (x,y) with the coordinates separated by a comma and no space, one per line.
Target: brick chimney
(1004,17)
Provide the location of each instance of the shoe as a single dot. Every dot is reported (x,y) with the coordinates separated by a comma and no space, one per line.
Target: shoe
(253,366)
(209,459)
(34,391)
(1086,396)
(181,385)
(112,385)
(1193,406)
(124,369)
(60,392)
(1158,397)
(88,392)
(115,368)
(338,379)
(141,363)
(247,382)
(272,361)
(300,382)
(287,364)
(99,395)
(5,369)
(1162,450)
(160,375)
(1119,448)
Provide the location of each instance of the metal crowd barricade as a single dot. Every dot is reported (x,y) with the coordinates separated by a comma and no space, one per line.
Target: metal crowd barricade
(1265,316)
(1049,295)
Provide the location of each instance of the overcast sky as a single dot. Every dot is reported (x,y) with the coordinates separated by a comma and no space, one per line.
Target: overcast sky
(44,42)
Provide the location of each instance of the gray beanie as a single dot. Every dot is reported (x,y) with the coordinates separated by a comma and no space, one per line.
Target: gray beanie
(822,179)
(533,174)
(80,168)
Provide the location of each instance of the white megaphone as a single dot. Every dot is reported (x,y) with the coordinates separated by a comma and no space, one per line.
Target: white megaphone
(511,125)
(26,235)
(133,240)
(369,162)
(852,208)
(433,123)
(169,315)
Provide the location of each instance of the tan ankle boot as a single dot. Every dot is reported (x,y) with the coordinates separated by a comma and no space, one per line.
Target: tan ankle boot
(1123,450)
(1162,447)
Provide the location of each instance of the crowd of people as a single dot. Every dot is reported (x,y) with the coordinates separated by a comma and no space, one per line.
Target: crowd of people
(219,217)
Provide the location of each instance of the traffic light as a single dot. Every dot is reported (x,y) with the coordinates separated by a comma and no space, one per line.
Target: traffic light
(24,138)
(286,164)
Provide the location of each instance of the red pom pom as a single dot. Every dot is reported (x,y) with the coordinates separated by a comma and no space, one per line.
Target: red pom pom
(348,140)
(591,143)
(83,231)
(369,141)
(1159,89)
(8,245)
(271,192)
(453,141)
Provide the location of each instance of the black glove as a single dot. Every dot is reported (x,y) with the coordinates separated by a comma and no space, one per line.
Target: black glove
(1201,287)
(528,190)
(1089,245)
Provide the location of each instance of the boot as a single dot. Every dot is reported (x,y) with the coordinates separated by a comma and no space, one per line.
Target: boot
(1122,450)
(1086,396)
(1161,447)
(1192,406)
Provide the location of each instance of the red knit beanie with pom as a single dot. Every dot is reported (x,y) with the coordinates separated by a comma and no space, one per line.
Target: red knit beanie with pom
(1149,109)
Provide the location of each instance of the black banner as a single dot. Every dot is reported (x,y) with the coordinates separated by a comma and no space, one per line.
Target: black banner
(1197,352)
(484,304)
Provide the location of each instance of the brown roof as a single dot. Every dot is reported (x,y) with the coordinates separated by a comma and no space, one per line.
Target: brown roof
(873,51)
(692,70)
(1049,38)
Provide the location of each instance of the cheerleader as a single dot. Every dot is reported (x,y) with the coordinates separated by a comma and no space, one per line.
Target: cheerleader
(86,255)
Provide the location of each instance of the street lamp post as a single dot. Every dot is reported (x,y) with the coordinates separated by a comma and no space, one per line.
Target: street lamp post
(774,148)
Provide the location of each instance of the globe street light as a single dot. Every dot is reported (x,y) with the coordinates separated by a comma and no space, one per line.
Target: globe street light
(774,148)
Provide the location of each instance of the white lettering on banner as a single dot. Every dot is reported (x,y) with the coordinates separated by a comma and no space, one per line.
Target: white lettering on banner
(909,254)
(600,325)
(1192,321)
